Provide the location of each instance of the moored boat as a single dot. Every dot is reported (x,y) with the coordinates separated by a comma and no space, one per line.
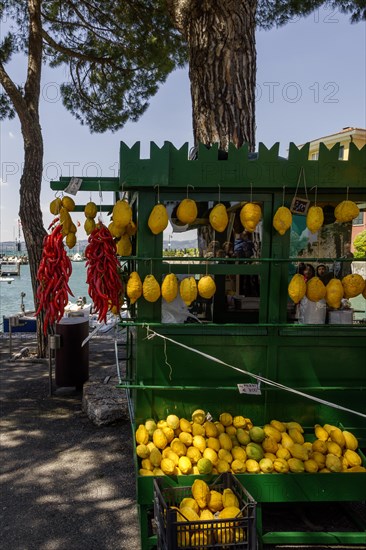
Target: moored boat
(6,279)
(9,268)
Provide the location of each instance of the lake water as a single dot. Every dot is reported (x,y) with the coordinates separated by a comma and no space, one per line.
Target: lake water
(10,299)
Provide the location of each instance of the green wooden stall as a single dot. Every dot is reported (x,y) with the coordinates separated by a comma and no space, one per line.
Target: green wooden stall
(311,373)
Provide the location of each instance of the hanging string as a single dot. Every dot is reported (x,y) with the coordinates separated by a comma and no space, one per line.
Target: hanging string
(157,186)
(298,182)
(167,362)
(188,187)
(283,195)
(306,191)
(151,266)
(316,194)
(100,199)
(219,192)
(347,193)
(251,192)
(152,334)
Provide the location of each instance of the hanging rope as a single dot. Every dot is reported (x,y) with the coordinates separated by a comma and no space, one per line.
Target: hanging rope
(152,334)
(302,174)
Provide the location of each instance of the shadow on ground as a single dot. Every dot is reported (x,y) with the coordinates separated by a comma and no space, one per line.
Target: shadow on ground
(65,483)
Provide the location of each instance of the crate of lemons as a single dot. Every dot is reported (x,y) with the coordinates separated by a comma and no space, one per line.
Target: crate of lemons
(222,513)
(200,446)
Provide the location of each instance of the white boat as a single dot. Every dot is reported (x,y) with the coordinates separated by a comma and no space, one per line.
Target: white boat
(10,267)
(78,309)
(77,257)
(6,280)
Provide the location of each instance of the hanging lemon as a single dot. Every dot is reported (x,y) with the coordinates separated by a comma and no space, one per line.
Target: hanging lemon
(206,287)
(353,285)
(282,219)
(218,217)
(124,246)
(90,210)
(315,289)
(134,287)
(314,218)
(121,213)
(297,288)
(65,220)
(158,219)
(68,203)
(131,228)
(116,230)
(169,287)
(151,289)
(250,215)
(187,211)
(55,206)
(89,225)
(346,211)
(334,293)
(188,290)
(71,240)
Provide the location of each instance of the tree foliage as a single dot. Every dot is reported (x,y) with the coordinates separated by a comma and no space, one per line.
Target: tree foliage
(360,245)
(118,53)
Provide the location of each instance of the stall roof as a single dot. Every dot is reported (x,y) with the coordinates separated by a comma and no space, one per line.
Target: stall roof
(171,168)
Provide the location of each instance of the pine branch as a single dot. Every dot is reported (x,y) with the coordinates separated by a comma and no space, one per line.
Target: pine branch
(15,95)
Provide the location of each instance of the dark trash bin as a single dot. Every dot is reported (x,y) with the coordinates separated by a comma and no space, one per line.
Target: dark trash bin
(72,360)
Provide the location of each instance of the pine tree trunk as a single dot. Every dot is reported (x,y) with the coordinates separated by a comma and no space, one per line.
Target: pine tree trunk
(222,68)
(31,180)
(31,215)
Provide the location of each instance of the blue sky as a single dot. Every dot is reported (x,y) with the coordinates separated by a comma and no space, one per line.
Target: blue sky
(310,83)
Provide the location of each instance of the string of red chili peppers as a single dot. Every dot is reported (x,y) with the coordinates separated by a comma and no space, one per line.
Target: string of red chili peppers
(53,276)
(105,285)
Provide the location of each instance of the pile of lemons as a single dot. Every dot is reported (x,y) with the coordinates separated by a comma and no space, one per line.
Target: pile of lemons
(177,446)
(207,504)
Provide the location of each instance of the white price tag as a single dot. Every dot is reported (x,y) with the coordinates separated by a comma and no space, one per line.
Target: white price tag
(250,389)
(74,186)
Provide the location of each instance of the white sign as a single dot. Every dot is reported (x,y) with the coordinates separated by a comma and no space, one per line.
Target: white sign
(250,389)
(74,186)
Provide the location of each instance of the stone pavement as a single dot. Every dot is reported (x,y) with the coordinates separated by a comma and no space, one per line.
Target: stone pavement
(65,482)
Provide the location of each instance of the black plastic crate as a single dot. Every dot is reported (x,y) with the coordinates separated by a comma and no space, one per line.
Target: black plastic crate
(217,533)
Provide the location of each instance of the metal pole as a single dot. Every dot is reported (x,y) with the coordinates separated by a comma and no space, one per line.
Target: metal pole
(54,342)
(13,322)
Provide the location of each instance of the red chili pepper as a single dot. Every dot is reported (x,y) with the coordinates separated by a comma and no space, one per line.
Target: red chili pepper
(105,285)
(53,276)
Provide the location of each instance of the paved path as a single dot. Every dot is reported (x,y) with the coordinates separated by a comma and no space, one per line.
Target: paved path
(65,483)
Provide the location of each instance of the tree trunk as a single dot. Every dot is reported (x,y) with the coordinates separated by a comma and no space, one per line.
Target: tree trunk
(31,180)
(30,212)
(222,68)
